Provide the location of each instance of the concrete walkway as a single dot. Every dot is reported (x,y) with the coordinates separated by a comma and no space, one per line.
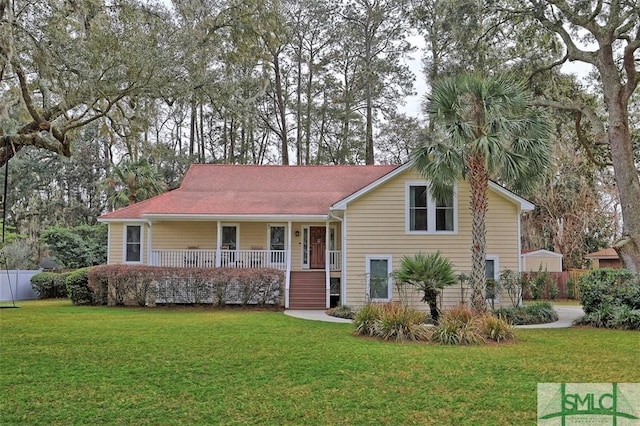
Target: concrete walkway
(314,316)
(566,314)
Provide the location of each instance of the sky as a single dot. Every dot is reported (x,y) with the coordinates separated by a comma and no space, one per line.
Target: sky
(413,107)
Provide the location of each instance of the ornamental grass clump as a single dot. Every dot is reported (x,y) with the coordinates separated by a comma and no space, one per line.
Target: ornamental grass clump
(495,329)
(461,326)
(365,319)
(457,327)
(401,323)
(390,321)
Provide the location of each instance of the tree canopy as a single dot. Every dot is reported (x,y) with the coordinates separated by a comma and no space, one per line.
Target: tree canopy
(308,82)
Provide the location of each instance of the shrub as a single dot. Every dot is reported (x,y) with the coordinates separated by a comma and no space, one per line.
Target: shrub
(552,289)
(147,285)
(541,312)
(451,332)
(461,314)
(18,254)
(512,282)
(540,285)
(602,288)
(621,317)
(401,323)
(571,288)
(492,291)
(457,327)
(391,321)
(78,287)
(365,319)
(534,313)
(626,318)
(428,274)
(342,311)
(496,329)
(78,246)
(49,285)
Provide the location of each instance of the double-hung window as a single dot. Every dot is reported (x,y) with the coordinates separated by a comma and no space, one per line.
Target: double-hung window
(426,214)
(418,208)
(133,244)
(378,272)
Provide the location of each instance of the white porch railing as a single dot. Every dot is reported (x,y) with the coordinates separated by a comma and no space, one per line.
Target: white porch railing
(335,260)
(253,259)
(196,258)
(199,258)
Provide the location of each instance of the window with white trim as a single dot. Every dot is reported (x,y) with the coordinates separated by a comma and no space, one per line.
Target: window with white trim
(418,208)
(427,215)
(133,244)
(229,238)
(277,237)
(491,273)
(379,283)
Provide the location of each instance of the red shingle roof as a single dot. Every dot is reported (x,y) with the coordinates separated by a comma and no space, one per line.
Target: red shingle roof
(221,189)
(608,253)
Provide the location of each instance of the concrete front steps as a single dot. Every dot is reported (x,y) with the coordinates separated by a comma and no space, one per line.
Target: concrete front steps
(307,290)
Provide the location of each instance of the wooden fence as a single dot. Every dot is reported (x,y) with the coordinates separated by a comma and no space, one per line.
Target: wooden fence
(566,281)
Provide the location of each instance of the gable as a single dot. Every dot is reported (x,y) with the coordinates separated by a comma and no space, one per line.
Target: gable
(541,253)
(523,204)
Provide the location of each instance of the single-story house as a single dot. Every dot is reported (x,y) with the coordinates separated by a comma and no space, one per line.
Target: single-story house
(605,258)
(545,260)
(338,232)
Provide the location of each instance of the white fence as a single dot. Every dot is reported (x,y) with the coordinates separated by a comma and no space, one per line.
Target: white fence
(16,285)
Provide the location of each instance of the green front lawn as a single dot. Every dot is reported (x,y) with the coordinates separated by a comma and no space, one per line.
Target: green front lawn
(62,365)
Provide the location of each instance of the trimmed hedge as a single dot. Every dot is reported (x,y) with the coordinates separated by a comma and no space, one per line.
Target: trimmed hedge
(49,285)
(77,287)
(150,285)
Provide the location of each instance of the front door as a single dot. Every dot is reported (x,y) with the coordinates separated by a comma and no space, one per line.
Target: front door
(317,246)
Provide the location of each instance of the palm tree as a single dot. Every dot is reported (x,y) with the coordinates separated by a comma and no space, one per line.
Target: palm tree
(490,131)
(429,274)
(133,181)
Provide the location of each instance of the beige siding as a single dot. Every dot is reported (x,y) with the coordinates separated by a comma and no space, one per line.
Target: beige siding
(376,226)
(182,235)
(296,242)
(254,235)
(116,242)
(532,263)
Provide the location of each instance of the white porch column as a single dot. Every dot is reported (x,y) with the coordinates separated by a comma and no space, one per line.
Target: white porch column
(287,272)
(218,244)
(327,265)
(150,260)
(343,267)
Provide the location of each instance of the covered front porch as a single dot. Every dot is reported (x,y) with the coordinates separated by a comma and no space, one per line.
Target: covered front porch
(308,252)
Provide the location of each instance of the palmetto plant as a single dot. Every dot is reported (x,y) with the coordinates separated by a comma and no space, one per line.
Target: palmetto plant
(133,181)
(489,131)
(429,274)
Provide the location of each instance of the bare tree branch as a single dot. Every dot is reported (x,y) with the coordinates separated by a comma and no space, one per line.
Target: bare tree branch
(585,144)
(596,122)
